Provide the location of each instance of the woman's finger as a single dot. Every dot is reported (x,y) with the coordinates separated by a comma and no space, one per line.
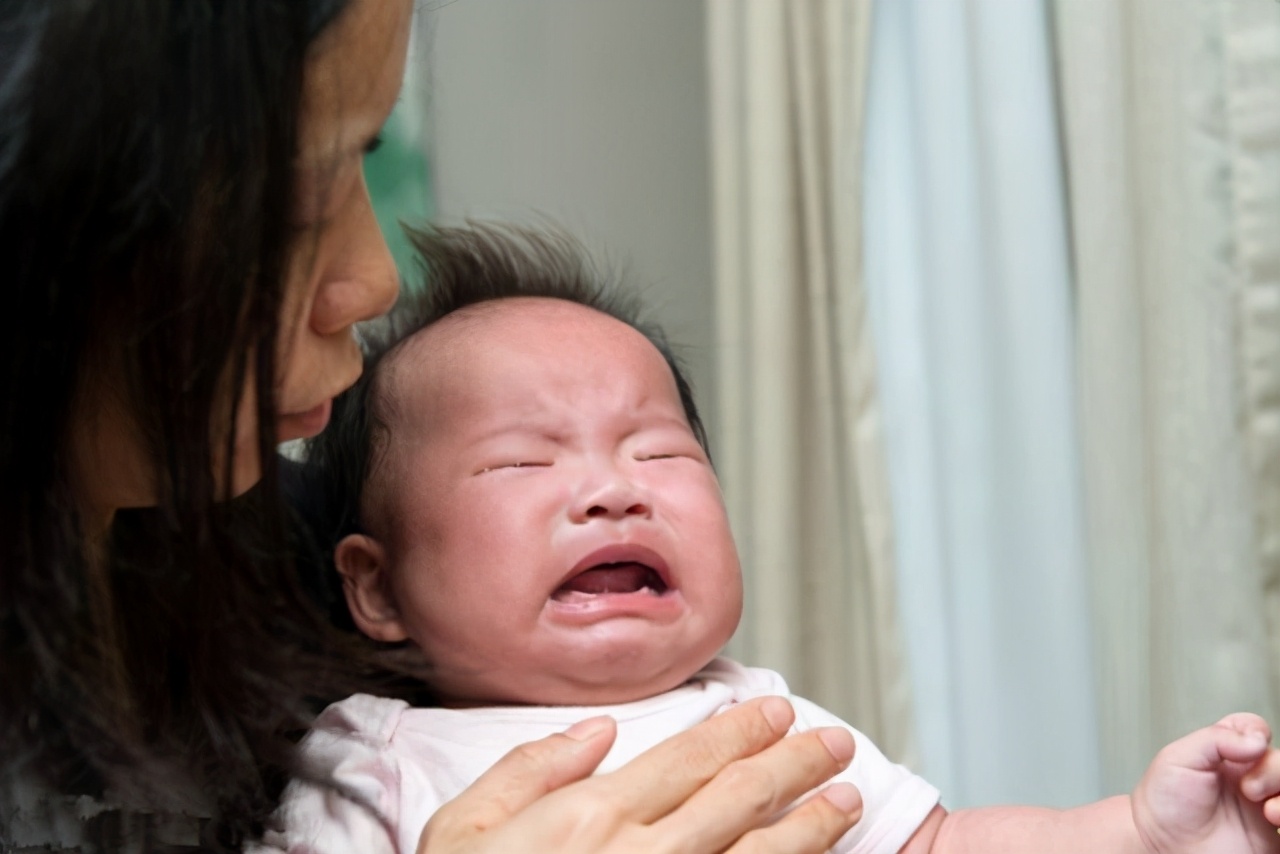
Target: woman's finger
(816,825)
(665,776)
(520,778)
(698,791)
(749,792)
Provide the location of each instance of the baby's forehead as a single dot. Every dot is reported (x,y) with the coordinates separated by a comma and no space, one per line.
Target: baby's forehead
(540,338)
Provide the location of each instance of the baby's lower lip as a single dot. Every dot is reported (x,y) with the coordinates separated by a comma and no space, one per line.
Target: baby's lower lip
(576,608)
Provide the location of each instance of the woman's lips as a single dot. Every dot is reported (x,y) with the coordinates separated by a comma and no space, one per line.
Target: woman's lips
(304,425)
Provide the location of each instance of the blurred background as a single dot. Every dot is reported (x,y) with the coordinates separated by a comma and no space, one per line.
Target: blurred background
(981,300)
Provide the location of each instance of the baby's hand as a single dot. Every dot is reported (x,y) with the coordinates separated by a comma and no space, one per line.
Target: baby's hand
(1216,791)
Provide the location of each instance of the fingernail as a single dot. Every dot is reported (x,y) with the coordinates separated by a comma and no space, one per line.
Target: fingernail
(839,743)
(844,797)
(588,729)
(777,712)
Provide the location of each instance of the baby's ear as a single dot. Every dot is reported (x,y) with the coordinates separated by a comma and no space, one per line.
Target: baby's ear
(362,561)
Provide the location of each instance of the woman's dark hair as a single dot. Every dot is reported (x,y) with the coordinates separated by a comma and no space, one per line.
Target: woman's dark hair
(146,151)
(460,267)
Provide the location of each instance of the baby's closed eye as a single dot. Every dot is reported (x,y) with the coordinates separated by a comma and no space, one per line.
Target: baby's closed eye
(514,464)
(647,455)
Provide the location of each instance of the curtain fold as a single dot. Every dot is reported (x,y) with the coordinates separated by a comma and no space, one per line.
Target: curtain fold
(1170,132)
(799,441)
(968,280)
(1171,114)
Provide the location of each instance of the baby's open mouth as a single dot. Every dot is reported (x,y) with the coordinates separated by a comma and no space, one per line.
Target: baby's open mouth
(620,577)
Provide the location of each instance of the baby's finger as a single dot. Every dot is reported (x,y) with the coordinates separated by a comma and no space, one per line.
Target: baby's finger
(1247,722)
(814,826)
(521,777)
(1236,738)
(749,792)
(1243,737)
(1262,781)
(1271,812)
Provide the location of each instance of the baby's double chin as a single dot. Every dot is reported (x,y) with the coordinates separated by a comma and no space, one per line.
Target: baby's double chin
(618,686)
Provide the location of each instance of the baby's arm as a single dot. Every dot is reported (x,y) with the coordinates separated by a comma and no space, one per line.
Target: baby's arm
(1105,827)
(1216,791)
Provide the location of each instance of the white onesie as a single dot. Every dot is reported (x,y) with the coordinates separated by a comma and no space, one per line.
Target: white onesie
(399,764)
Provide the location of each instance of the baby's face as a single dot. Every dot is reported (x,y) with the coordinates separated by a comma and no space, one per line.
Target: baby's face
(556,535)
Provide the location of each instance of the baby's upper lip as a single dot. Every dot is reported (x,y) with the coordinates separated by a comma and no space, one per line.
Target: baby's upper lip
(621,553)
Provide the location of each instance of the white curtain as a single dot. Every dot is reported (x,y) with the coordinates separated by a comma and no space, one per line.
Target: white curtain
(1072,222)
(1172,136)
(799,440)
(969,285)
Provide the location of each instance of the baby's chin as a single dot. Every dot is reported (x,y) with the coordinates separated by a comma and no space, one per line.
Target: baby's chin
(619,687)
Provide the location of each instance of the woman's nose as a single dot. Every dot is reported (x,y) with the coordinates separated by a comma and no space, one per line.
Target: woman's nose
(368,283)
(616,498)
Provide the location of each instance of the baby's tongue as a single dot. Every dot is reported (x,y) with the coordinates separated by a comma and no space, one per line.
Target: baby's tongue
(609,578)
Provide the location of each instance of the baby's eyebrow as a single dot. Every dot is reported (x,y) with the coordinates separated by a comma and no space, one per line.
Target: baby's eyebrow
(520,428)
(659,423)
(536,425)
(679,421)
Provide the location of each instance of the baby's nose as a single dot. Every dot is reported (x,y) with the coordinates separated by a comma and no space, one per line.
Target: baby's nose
(617,509)
(617,499)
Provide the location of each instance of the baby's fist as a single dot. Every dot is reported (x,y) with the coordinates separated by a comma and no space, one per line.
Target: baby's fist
(1215,791)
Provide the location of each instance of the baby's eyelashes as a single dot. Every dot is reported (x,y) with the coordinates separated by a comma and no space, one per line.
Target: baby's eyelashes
(541,462)
(673,454)
(517,464)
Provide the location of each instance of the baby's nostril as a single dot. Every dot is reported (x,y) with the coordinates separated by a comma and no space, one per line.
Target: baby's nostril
(596,510)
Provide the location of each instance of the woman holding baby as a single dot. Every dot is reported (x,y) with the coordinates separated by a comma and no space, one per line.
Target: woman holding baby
(189,241)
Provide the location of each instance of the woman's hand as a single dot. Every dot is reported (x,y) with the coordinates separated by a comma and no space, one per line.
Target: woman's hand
(705,790)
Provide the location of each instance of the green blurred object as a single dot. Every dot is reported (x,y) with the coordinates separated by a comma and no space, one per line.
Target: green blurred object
(400,186)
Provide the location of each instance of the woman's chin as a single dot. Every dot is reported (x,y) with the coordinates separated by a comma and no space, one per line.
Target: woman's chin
(244,476)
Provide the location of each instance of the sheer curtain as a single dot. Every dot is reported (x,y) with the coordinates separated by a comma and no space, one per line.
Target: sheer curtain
(1172,136)
(1071,215)
(799,445)
(969,285)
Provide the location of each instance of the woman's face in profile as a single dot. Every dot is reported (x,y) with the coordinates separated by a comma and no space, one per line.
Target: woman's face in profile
(340,271)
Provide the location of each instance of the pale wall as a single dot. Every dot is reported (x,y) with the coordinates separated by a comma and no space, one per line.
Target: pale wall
(592,112)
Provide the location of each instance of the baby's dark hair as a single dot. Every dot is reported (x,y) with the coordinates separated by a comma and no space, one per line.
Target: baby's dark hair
(461,267)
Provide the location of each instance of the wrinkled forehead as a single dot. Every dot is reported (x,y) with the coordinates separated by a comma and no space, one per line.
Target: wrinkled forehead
(531,344)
